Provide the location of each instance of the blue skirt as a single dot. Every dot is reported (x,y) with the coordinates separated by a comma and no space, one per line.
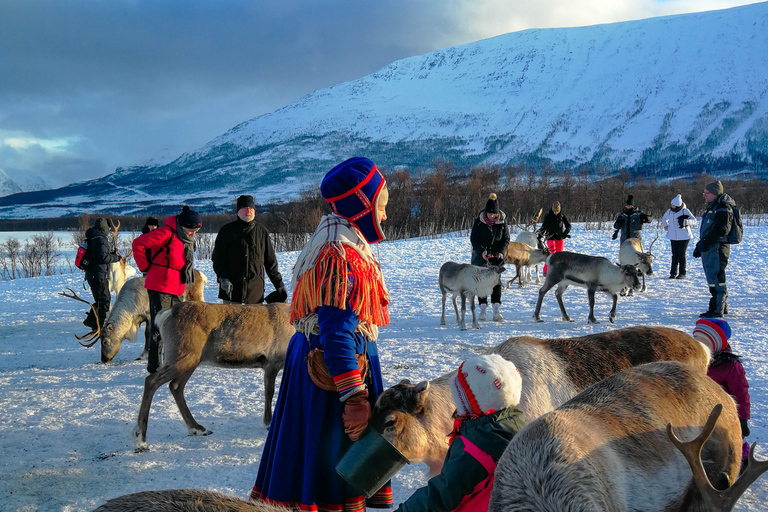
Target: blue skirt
(306,440)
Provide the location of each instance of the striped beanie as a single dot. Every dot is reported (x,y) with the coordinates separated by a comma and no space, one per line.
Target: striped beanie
(352,189)
(485,384)
(713,333)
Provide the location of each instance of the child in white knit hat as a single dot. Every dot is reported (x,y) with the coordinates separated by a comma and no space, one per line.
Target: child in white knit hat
(486,391)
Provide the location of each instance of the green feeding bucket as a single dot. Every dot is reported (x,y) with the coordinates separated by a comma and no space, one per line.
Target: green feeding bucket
(370,462)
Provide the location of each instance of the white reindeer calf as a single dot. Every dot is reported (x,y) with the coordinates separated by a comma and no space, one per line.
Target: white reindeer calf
(610,448)
(631,253)
(468,281)
(530,239)
(523,256)
(417,418)
(224,335)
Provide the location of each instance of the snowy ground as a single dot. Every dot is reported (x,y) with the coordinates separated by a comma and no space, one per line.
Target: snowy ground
(65,418)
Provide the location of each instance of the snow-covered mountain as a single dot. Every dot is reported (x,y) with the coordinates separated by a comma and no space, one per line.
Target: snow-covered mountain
(666,95)
(20,184)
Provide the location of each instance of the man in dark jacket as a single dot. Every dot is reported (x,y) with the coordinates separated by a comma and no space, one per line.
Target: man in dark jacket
(713,248)
(241,255)
(630,221)
(101,253)
(489,239)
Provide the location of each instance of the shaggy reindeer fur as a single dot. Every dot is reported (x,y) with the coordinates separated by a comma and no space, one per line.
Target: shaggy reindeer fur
(228,336)
(608,448)
(468,281)
(595,273)
(131,309)
(417,418)
(524,256)
(530,239)
(631,253)
(119,271)
(184,500)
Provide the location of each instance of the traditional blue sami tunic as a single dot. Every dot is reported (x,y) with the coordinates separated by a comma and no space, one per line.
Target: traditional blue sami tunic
(306,438)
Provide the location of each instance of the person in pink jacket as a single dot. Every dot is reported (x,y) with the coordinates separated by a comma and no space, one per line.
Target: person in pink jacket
(167,256)
(726,369)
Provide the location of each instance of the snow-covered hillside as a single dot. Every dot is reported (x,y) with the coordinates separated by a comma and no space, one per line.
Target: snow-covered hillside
(65,418)
(667,94)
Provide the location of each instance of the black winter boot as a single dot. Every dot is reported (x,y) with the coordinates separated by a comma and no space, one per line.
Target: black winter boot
(710,312)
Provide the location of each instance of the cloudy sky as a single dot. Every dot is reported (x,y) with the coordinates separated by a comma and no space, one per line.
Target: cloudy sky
(89,85)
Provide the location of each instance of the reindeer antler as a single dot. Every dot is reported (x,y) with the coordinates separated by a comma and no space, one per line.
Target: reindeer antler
(94,334)
(691,450)
(654,241)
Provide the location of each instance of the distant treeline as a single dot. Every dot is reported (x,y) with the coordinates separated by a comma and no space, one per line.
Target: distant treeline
(448,198)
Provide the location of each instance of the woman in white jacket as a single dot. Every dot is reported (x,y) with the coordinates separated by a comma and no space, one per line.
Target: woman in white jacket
(678,222)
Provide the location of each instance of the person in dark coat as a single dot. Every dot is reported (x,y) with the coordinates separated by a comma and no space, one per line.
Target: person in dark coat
(102,252)
(726,369)
(489,239)
(241,255)
(555,228)
(713,248)
(150,224)
(167,256)
(486,391)
(630,221)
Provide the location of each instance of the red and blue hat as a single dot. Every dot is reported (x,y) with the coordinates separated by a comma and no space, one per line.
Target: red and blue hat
(712,332)
(352,189)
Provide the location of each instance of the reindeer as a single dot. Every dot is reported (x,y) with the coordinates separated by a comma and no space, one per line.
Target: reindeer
(529,237)
(185,500)
(131,309)
(612,448)
(417,418)
(469,281)
(224,335)
(595,273)
(631,253)
(524,256)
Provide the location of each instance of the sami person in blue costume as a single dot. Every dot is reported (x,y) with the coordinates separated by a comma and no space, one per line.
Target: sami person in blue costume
(339,302)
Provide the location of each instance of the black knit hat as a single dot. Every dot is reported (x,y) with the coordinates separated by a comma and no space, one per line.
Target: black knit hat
(492,205)
(245,201)
(152,221)
(189,218)
(630,200)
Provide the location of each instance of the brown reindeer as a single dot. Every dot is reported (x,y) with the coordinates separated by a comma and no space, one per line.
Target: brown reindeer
(225,335)
(185,500)
(609,448)
(417,418)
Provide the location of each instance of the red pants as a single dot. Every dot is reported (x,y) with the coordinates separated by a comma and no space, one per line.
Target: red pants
(554,246)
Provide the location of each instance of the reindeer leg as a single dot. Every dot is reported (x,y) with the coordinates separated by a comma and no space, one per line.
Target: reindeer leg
(548,284)
(518,276)
(270,375)
(475,323)
(612,316)
(538,276)
(456,309)
(151,384)
(559,296)
(643,282)
(591,296)
(177,386)
(463,324)
(442,317)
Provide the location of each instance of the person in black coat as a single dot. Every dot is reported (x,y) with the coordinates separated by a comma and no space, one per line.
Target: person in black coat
(630,221)
(489,239)
(242,254)
(101,253)
(555,228)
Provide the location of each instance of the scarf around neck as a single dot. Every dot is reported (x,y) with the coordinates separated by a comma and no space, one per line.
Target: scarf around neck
(337,268)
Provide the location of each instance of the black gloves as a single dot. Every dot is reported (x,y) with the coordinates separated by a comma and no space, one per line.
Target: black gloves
(681,220)
(697,250)
(744,428)
(615,235)
(279,295)
(645,218)
(566,236)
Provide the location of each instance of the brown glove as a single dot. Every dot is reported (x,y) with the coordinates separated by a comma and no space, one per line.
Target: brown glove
(357,412)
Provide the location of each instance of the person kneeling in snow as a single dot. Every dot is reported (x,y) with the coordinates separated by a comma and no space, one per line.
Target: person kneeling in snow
(486,392)
(726,369)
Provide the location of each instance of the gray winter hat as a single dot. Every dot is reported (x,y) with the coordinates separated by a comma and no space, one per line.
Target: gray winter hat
(715,188)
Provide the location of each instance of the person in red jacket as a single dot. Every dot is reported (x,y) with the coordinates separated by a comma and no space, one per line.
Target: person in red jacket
(167,256)
(726,369)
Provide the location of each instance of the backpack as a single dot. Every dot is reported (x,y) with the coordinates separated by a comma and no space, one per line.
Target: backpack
(736,233)
(82,258)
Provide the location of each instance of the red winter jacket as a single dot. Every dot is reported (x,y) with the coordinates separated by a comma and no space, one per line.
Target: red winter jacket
(165,272)
(729,373)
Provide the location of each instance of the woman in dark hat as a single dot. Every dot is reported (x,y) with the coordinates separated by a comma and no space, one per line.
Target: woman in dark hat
(489,239)
(339,302)
(150,224)
(630,221)
(167,256)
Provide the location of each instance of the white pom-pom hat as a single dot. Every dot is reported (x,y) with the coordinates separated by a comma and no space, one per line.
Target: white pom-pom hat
(486,384)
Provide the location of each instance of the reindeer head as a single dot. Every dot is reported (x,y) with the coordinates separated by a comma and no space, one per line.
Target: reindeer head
(629,273)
